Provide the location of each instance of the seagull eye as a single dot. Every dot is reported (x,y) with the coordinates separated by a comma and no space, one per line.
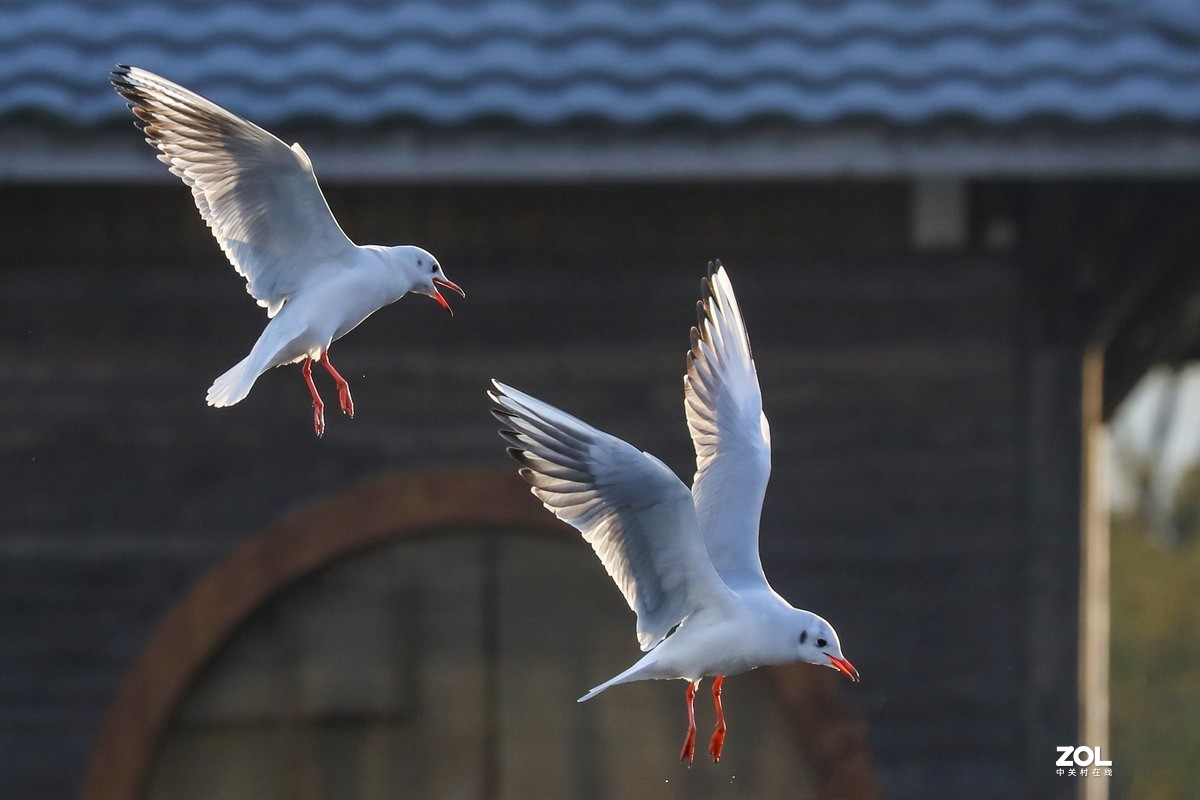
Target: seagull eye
(803,637)
(821,642)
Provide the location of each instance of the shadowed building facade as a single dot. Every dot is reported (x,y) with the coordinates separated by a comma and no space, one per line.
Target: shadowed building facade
(948,285)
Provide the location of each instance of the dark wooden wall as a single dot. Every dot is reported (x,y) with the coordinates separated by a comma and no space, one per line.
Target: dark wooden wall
(898,388)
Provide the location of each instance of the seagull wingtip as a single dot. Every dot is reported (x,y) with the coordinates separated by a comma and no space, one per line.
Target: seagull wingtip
(121,75)
(501,388)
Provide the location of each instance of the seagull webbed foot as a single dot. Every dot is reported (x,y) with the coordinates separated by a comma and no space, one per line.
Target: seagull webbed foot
(343,387)
(718,737)
(317,404)
(688,753)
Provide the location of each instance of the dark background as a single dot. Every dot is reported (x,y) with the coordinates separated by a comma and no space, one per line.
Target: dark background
(959,233)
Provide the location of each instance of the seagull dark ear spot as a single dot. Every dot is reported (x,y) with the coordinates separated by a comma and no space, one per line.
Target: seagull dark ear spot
(803,637)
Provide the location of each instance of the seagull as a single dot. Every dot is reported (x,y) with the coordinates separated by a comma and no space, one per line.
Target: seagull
(262,202)
(686,562)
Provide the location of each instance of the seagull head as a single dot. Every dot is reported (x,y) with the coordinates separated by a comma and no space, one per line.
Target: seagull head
(427,275)
(818,643)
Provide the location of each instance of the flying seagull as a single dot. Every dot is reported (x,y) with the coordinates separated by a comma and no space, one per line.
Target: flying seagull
(686,562)
(262,202)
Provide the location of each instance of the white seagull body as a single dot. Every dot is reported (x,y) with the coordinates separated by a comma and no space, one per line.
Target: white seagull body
(686,562)
(262,202)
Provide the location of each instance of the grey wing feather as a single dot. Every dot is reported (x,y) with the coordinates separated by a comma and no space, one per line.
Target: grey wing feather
(730,435)
(259,196)
(636,514)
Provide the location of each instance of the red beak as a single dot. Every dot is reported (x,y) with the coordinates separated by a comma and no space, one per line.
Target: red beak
(451,285)
(843,666)
(441,301)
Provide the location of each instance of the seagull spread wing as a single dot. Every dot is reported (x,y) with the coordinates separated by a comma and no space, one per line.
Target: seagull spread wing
(259,196)
(636,514)
(730,434)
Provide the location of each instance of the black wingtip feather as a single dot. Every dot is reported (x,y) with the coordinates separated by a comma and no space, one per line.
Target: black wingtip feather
(510,435)
(120,80)
(704,306)
(133,96)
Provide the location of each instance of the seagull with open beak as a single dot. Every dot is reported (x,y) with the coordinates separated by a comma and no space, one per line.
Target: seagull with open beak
(261,200)
(686,561)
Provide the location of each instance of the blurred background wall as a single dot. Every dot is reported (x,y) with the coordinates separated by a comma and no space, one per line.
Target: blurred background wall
(960,234)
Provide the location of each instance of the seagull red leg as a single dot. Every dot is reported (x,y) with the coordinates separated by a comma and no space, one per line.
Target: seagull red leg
(718,737)
(688,753)
(318,406)
(344,399)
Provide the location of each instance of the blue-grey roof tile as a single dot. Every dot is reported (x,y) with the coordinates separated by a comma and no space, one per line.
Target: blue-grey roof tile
(632,62)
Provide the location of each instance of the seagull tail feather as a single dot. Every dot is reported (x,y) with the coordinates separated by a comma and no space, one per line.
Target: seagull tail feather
(634,673)
(234,385)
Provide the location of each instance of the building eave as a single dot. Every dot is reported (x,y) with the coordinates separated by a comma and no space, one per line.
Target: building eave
(35,155)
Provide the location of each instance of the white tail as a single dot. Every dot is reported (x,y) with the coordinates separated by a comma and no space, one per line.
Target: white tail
(594,692)
(634,673)
(234,385)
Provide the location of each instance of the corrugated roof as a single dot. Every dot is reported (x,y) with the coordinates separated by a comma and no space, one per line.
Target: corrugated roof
(631,63)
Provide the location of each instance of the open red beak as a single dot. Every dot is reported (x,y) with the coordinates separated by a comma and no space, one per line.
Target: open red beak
(452,286)
(843,666)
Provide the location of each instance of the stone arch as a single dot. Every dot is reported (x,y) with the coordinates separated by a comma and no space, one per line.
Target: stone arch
(387,508)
